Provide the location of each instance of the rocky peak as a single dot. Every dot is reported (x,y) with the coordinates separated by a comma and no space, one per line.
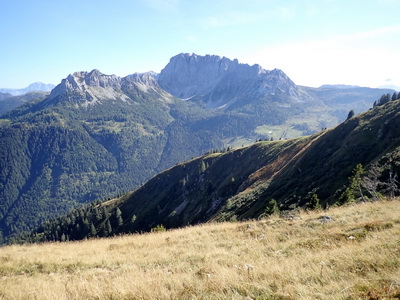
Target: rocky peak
(188,75)
(82,81)
(218,80)
(185,76)
(276,81)
(94,78)
(89,87)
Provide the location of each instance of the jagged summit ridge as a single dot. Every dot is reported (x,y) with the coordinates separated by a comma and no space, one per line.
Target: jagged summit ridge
(221,82)
(80,81)
(96,78)
(188,75)
(216,81)
(91,87)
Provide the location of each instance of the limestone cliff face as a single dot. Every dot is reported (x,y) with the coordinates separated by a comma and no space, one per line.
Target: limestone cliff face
(91,86)
(220,82)
(188,75)
(88,88)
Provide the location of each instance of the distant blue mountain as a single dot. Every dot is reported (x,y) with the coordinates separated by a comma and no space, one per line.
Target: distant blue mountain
(34,87)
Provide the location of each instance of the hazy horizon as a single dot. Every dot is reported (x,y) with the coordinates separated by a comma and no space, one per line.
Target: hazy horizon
(313,42)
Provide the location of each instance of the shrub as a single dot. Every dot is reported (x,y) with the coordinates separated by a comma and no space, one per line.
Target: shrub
(159,228)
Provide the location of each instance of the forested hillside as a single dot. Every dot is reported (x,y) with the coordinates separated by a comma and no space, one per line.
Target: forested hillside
(357,161)
(9,102)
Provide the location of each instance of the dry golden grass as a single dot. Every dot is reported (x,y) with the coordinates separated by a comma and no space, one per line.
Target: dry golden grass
(356,256)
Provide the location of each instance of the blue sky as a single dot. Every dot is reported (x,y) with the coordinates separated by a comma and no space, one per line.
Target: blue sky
(314,42)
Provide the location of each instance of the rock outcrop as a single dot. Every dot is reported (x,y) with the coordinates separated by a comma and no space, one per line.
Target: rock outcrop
(221,82)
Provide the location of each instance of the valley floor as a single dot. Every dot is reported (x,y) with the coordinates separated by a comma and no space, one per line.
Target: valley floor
(354,254)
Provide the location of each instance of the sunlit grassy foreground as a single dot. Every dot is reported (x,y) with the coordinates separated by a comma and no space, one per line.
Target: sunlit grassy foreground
(355,255)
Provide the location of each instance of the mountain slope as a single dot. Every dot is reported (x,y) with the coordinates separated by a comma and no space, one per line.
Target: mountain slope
(98,136)
(324,167)
(8,103)
(4,96)
(241,183)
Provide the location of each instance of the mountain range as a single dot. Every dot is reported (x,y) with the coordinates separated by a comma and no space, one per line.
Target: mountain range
(12,98)
(96,136)
(33,87)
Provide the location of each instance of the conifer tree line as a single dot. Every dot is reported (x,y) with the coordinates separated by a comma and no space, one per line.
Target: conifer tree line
(89,221)
(385,98)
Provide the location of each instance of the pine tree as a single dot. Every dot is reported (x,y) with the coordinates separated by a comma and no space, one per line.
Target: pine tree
(104,213)
(97,214)
(133,219)
(77,231)
(93,231)
(272,208)
(86,226)
(350,115)
(202,167)
(118,216)
(358,174)
(385,99)
(382,100)
(120,221)
(314,202)
(355,186)
(108,228)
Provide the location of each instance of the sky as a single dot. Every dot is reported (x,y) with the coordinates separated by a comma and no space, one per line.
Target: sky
(315,42)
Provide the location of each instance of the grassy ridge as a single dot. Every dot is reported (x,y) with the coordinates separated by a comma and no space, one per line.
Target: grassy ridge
(354,255)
